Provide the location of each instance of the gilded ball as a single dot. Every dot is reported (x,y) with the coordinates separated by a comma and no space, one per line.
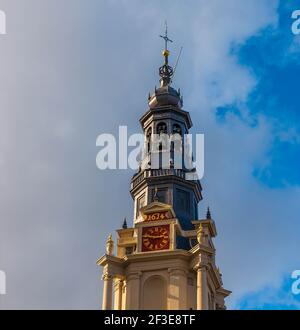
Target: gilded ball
(166,53)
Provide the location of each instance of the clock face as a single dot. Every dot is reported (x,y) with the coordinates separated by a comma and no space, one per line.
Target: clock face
(156,238)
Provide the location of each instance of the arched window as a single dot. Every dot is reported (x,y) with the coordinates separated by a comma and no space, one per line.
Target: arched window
(148,138)
(177,129)
(155,293)
(177,142)
(161,128)
(162,131)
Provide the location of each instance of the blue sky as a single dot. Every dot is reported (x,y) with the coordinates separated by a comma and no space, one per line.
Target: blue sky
(277,66)
(72,72)
(274,59)
(270,298)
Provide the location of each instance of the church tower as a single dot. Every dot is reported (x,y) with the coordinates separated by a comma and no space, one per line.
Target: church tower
(166,260)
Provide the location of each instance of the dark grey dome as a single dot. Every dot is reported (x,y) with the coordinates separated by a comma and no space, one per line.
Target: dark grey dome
(165,95)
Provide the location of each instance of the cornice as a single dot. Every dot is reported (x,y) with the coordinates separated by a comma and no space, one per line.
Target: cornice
(157,255)
(106,259)
(225,293)
(167,108)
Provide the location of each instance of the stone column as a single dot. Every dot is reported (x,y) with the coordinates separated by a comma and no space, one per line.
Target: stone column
(120,294)
(107,292)
(202,293)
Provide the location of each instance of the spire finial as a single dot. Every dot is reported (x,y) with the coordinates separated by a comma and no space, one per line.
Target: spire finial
(125,224)
(166,38)
(208,215)
(166,72)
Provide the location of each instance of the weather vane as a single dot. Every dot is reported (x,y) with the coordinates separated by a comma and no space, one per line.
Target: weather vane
(165,37)
(166,71)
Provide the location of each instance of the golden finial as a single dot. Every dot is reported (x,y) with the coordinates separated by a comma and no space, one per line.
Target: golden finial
(109,245)
(166,53)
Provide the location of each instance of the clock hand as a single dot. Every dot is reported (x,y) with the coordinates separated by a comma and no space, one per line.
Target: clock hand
(153,237)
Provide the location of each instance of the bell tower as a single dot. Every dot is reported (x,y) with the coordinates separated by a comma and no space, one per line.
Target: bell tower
(166,260)
(163,174)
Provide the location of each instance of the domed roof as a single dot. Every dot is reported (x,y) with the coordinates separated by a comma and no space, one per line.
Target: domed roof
(165,95)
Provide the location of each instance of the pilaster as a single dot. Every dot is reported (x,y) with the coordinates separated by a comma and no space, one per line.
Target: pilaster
(107,291)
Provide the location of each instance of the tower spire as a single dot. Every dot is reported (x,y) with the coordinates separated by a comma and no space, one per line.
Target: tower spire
(166,71)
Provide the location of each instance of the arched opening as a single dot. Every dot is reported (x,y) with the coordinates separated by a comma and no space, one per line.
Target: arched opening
(161,128)
(148,138)
(162,131)
(176,147)
(155,293)
(177,129)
